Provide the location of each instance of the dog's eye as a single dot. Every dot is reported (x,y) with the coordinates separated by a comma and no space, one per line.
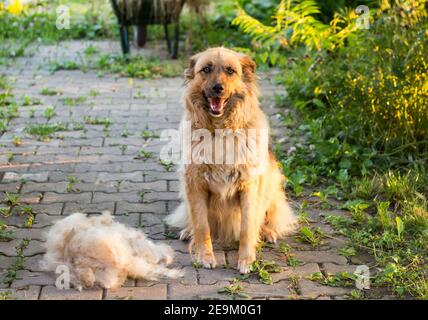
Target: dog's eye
(206,70)
(230,71)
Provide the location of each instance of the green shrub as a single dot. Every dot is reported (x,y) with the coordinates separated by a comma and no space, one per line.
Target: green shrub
(372,92)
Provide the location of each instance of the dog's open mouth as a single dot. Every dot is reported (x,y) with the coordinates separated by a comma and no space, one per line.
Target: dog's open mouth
(217,105)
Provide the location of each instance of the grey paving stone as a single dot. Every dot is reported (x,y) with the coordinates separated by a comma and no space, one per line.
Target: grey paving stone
(33,248)
(299,271)
(155,292)
(261,291)
(28,233)
(212,276)
(52,197)
(9,248)
(5,262)
(158,207)
(73,207)
(334,268)
(52,293)
(185,292)
(33,263)
(28,293)
(320,257)
(26,278)
(53,209)
(43,220)
(312,289)
(38,177)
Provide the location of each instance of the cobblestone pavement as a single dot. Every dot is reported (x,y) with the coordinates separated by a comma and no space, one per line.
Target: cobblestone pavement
(100,167)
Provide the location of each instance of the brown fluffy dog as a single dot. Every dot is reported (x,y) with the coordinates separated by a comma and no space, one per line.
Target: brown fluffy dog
(228,202)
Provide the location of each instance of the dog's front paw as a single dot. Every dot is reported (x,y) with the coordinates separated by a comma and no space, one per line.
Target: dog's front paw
(246,258)
(244,266)
(206,259)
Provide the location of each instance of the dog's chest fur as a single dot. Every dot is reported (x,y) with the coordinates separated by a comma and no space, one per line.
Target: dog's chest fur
(223,180)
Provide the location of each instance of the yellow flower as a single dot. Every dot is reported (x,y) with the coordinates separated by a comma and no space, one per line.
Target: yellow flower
(15,7)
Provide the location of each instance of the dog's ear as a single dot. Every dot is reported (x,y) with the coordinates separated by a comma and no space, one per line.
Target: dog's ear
(248,68)
(189,72)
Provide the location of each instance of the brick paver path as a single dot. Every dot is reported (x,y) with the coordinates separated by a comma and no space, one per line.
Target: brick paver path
(110,175)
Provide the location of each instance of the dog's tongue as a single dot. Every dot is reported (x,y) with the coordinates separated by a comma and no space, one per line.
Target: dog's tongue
(216,105)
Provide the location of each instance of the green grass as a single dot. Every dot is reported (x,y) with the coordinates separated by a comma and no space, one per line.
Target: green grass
(168,165)
(69,101)
(49,92)
(49,113)
(12,199)
(11,273)
(30,216)
(46,131)
(6,295)
(144,155)
(340,279)
(137,67)
(71,185)
(290,258)
(31,101)
(16,140)
(312,236)
(233,291)
(57,65)
(146,134)
(5,235)
(263,269)
(105,121)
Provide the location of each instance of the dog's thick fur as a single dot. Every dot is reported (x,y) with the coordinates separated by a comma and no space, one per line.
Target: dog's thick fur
(227,202)
(99,251)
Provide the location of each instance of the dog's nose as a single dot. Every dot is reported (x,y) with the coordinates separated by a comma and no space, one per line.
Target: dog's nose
(218,88)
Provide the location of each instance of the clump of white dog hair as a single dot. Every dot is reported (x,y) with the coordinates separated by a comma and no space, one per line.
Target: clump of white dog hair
(100,251)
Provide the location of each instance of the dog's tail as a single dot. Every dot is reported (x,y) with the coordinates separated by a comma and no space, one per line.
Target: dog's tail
(179,218)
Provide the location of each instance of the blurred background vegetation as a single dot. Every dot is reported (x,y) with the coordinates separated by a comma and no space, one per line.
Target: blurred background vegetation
(358,97)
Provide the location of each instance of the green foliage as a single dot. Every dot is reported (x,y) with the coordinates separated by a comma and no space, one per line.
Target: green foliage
(396,236)
(46,131)
(312,236)
(11,273)
(137,67)
(340,279)
(144,155)
(39,22)
(105,121)
(70,101)
(168,165)
(366,103)
(234,290)
(263,269)
(294,24)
